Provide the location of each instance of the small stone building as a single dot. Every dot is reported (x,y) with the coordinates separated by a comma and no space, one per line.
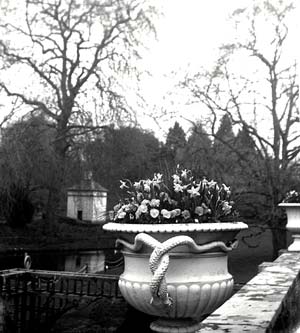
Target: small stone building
(87,201)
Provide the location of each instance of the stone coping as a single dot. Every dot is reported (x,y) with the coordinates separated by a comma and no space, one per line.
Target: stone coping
(269,302)
(178,227)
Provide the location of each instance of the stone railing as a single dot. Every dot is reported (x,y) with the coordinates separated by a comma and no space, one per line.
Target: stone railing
(270,302)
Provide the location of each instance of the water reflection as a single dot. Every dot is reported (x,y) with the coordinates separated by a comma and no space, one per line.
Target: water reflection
(91,261)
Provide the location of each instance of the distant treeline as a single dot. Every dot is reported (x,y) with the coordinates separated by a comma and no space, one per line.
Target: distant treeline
(29,165)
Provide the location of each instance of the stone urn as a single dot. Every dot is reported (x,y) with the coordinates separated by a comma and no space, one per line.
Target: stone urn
(177,272)
(293,223)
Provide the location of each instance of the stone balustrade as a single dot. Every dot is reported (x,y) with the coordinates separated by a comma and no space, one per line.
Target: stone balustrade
(270,302)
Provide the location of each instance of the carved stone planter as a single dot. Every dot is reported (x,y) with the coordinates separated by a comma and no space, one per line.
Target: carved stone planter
(293,223)
(177,272)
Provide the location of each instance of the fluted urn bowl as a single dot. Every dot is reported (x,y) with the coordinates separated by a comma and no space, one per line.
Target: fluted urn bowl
(196,280)
(293,223)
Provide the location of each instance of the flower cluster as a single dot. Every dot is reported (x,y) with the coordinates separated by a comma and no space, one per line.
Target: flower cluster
(181,199)
(292,197)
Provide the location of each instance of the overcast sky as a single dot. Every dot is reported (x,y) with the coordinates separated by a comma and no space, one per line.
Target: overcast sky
(188,37)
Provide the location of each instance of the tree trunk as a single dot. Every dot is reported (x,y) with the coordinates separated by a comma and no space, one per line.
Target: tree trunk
(53,204)
(55,196)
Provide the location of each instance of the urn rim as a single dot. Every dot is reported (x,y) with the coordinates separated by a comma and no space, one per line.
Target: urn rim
(172,227)
(289,204)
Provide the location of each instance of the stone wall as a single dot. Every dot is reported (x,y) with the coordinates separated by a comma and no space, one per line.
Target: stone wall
(92,204)
(270,302)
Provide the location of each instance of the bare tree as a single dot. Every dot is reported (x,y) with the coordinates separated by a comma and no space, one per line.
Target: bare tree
(255,83)
(74,54)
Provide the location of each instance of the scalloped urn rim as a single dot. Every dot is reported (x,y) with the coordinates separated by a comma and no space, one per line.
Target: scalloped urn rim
(172,227)
(289,204)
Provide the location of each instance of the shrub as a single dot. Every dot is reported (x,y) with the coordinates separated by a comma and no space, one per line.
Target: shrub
(15,205)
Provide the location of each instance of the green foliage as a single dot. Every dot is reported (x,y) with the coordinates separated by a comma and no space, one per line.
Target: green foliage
(198,154)
(225,131)
(16,205)
(175,145)
(175,137)
(27,157)
(126,152)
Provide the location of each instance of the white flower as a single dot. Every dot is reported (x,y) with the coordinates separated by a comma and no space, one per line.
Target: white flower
(226,188)
(176,179)
(194,191)
(174,213)
(226,208)
(138,213)
(213,184)
(137,186)
(158,177)
(121,215)
(127,208)
(154,213)
(184,173)
(123,184)
(145,202)
(148,182)
(154,203)
(146,188)
(166,213)
(143,208)
(178,187)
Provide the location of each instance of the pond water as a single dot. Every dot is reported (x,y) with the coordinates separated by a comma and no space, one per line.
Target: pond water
(71,261)
(243,261)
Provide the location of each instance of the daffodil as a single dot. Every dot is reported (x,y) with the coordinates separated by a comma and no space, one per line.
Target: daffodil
(178,187)
(194,191)
(123,185)
(184,173)
(176,179)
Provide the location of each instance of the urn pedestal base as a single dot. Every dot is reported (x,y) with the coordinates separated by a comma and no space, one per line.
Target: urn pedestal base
(175,325)
(295,246)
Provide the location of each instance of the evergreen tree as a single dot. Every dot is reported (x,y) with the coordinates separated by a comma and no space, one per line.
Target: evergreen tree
(224,135)
(175,145)
(225,157)
(198,155)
